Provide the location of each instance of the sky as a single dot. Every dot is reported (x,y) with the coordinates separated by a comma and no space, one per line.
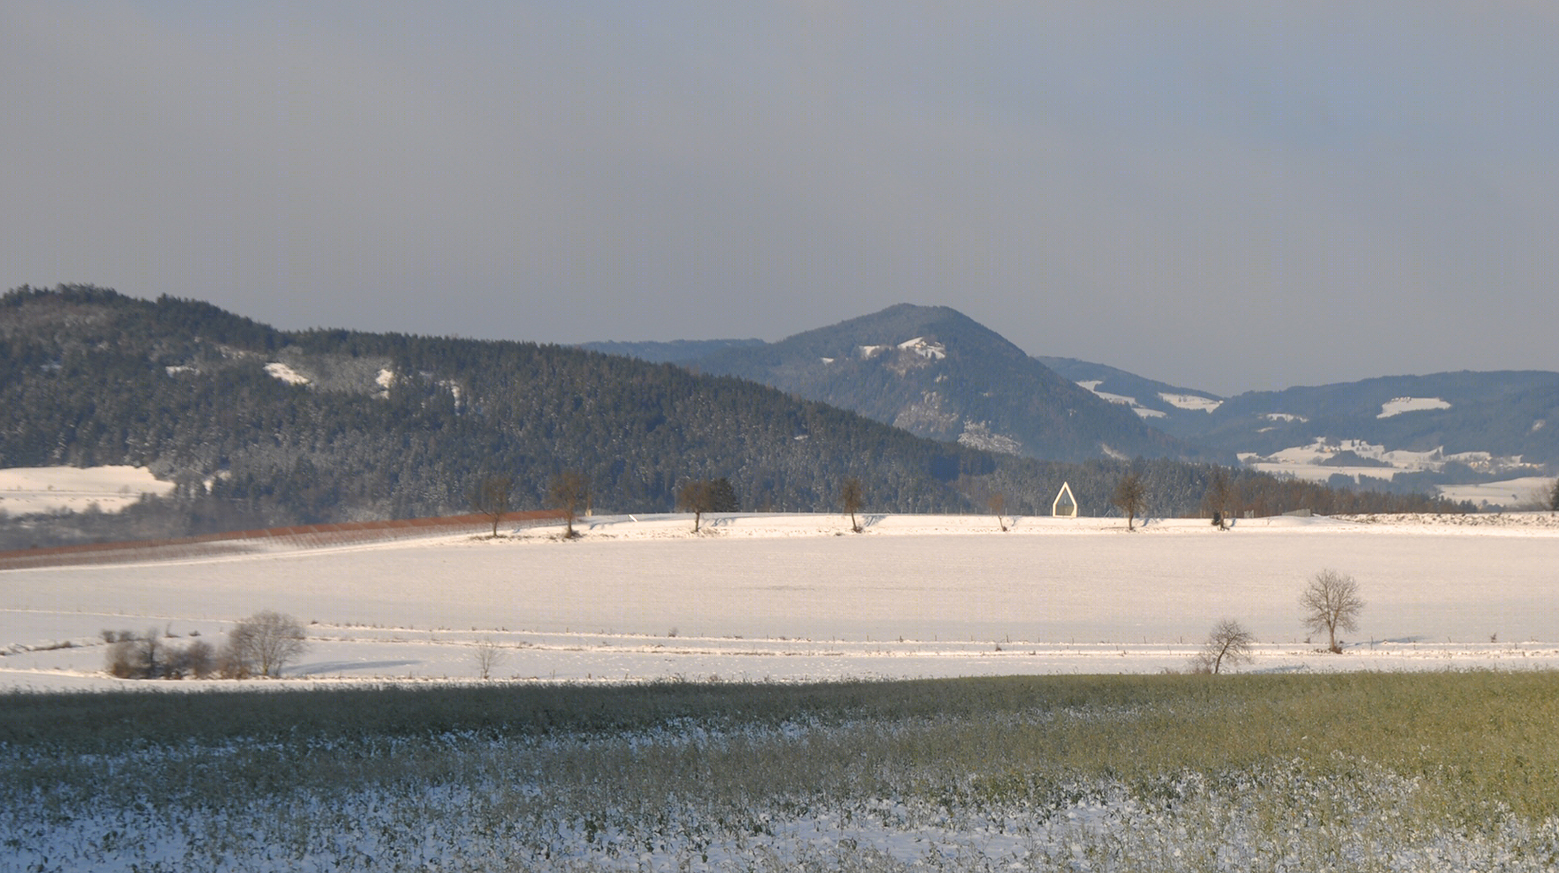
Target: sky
(1226,196)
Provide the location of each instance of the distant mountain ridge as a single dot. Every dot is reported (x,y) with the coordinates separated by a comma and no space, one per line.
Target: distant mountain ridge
(667,352)
(937,373)
(1419,431)
(1150,399)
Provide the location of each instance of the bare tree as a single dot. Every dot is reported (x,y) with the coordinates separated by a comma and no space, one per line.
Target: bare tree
(1331,601)
(488,656)
(569,493)
(263,644)
(852,496)
(1228,643)
(698,497)
(493,496)
(997,504)
(1131,495)
(1553,497)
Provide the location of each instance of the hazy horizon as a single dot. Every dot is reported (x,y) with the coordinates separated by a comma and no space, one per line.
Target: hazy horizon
(1221,196)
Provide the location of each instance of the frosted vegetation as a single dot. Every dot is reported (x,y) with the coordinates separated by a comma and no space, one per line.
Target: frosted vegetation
(1325,772)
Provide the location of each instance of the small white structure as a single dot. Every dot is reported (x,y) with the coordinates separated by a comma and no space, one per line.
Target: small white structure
(1065,505)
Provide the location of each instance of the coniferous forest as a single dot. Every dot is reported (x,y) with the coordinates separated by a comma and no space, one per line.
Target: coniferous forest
(261,427)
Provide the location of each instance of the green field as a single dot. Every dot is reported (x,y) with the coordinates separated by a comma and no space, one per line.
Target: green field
(1359,771)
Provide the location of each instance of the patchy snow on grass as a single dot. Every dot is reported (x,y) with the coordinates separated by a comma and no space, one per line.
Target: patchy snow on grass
(1399,405)
(31,490)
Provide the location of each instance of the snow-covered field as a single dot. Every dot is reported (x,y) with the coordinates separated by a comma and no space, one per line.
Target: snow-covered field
(30,490)
(797,597)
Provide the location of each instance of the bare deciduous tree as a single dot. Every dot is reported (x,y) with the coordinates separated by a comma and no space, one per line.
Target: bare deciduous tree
(1331,601)
(569,493)
(492,496)
(1131,495)
(997,504)
(488,656)
(263,644)
(1228,643)
(852,496)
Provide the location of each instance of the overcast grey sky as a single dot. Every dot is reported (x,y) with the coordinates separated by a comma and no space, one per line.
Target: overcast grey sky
(1222,195)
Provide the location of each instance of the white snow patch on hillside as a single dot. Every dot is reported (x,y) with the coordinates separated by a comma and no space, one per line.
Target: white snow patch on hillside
(930,350)
(978,435)
(30,490)
(1399,405)
(1191,401)
(286,374)
(1310,462)
(1285,417)
(1121,400)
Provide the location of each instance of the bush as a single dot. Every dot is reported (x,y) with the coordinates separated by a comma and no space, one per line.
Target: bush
(195,661)
(262,645)
(148,657)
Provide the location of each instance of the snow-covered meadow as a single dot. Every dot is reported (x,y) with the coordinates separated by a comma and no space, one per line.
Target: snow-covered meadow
(602,758)
(797,597)
(30,490)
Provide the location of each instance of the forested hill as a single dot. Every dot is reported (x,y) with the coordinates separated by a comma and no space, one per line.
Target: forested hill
(389,425)
(264,427)
(939,374)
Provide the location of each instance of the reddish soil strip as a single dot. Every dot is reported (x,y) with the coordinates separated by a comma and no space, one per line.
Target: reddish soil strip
(309,536)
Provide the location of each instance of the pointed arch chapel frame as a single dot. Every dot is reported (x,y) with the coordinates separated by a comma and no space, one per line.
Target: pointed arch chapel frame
(1065,505)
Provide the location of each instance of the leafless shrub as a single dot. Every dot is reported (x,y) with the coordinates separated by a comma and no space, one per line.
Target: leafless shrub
(1229,643)
(262,645)
(488,656)
(148,657)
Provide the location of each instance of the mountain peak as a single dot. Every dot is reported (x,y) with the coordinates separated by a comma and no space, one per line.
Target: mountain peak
(937,373)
